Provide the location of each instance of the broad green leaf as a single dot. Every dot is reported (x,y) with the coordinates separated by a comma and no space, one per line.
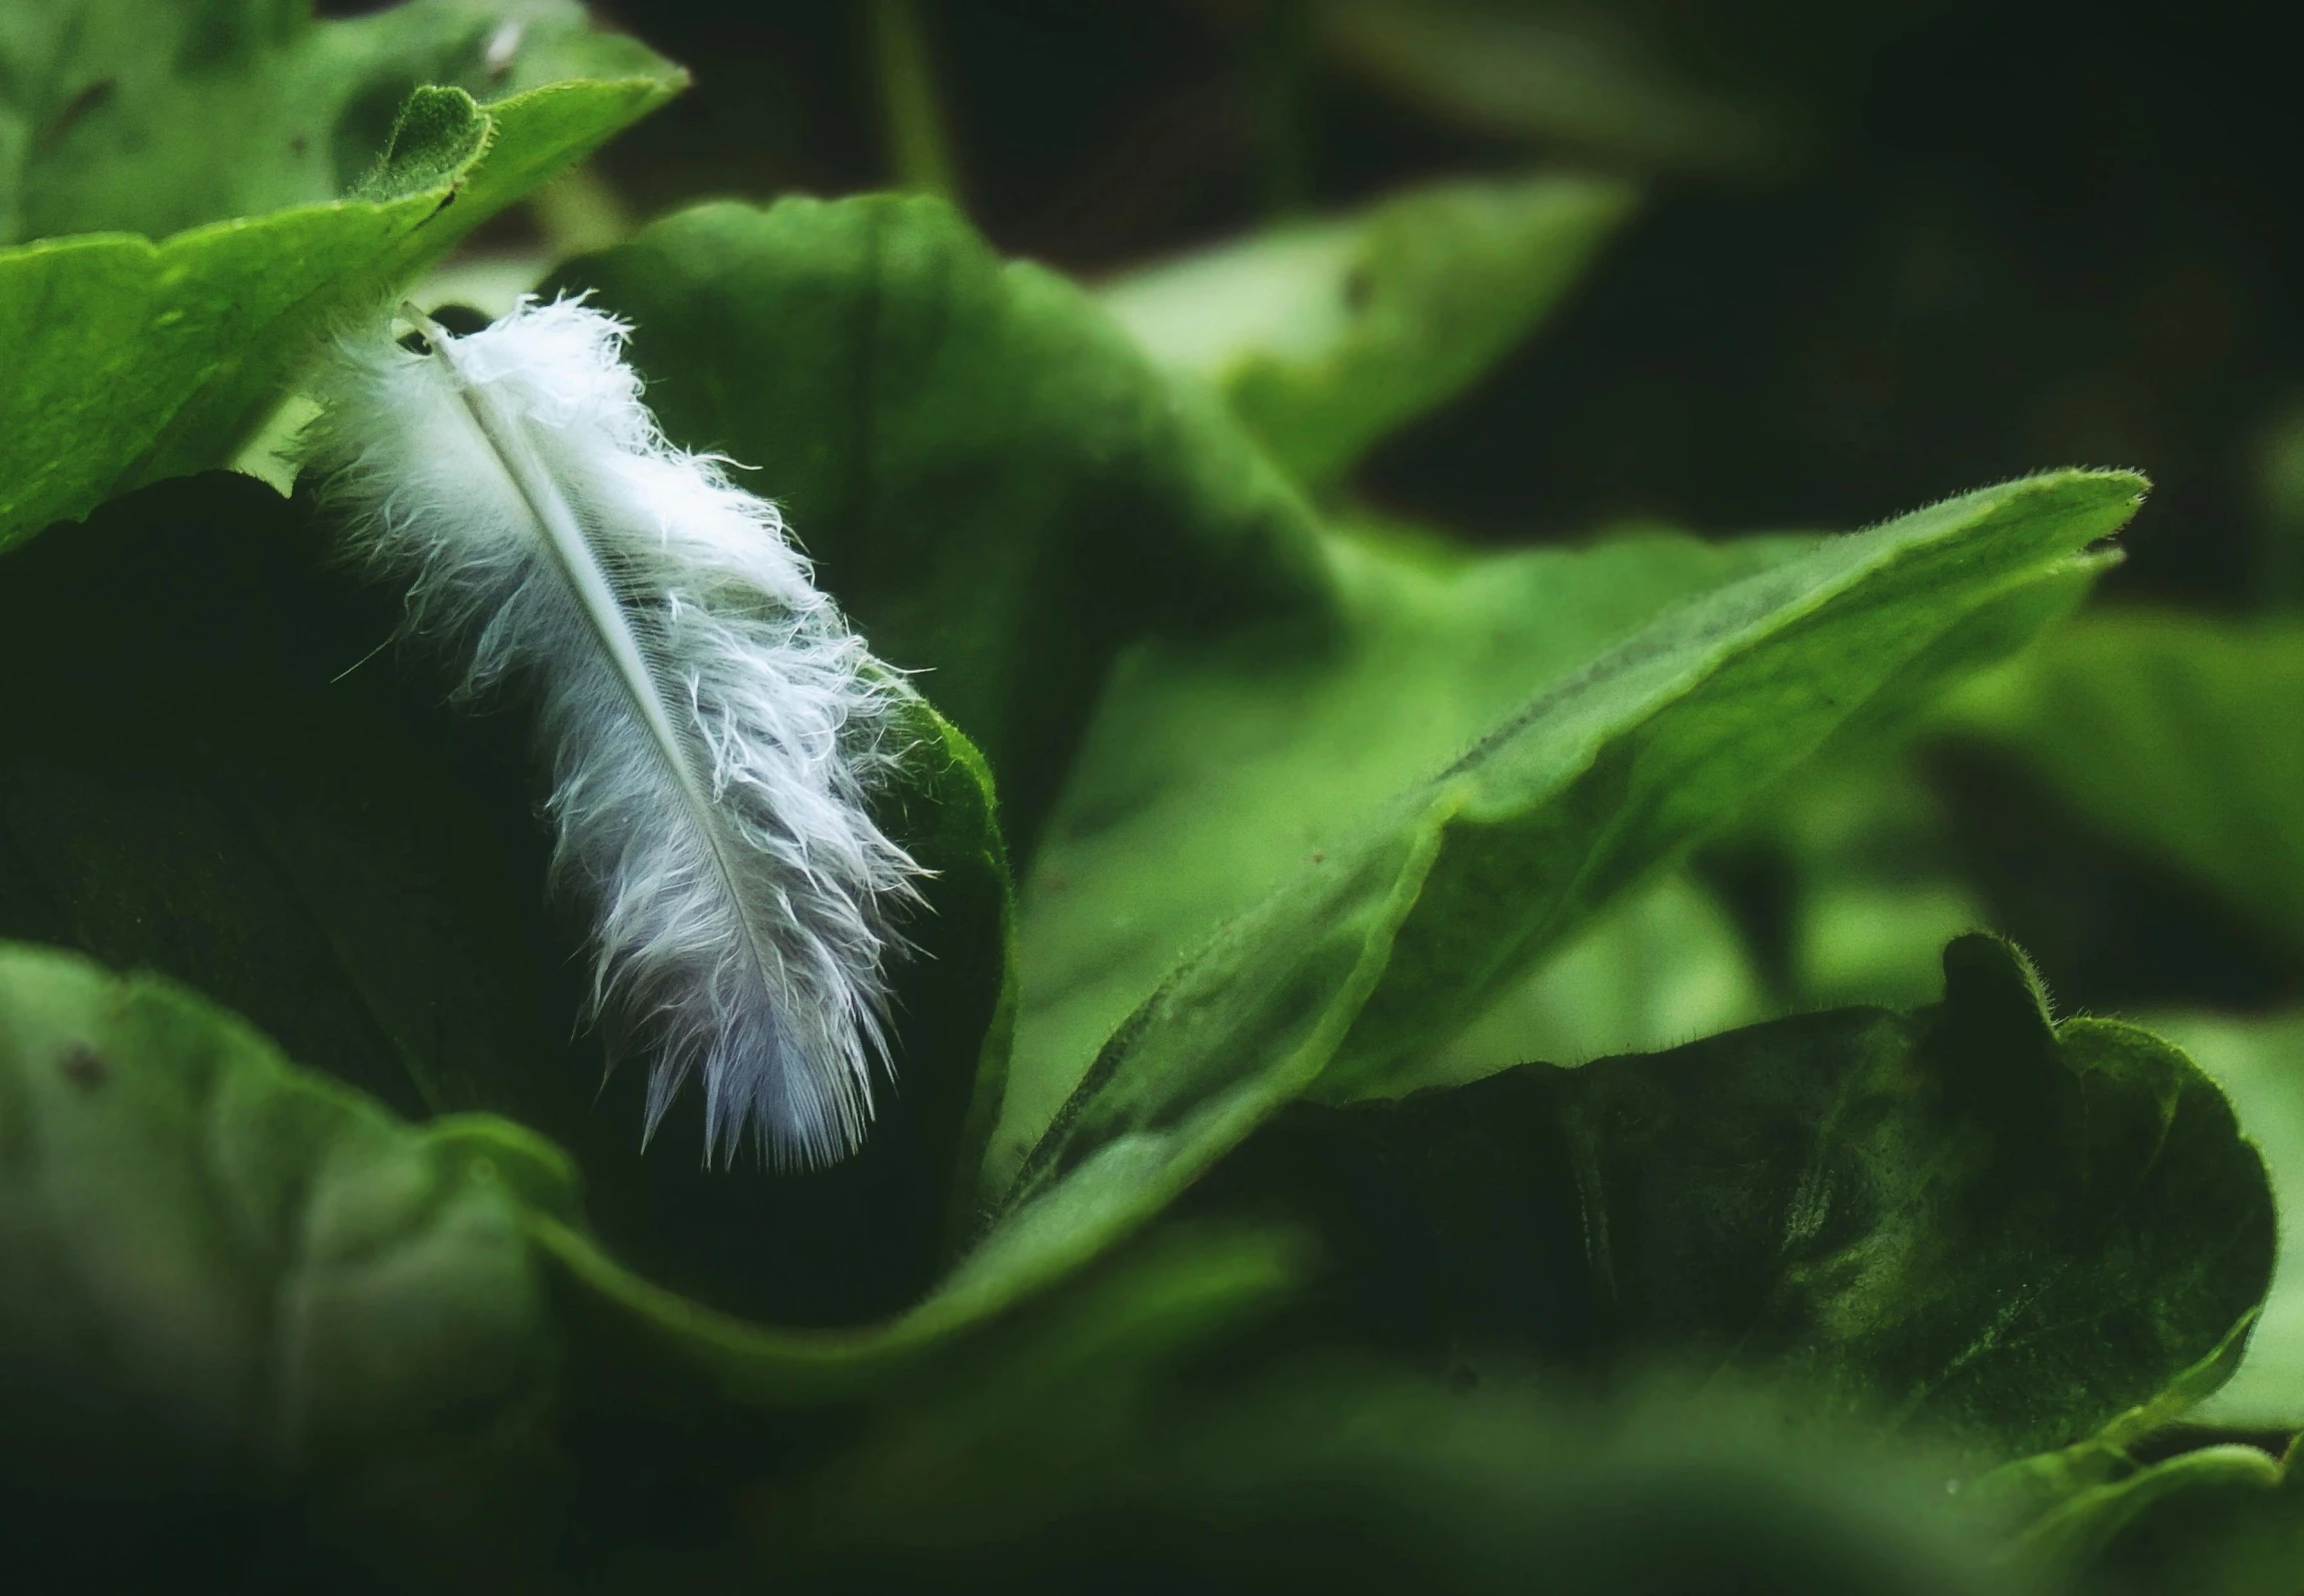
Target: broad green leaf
(1965,1221)
(153,116)
(1215,770)
(1325,336)
(1197,756)
(131,360)
(2176,735)
(993,478)
(1987,637)
(1860,851)
(1681,727)
(212,764)
(225,1282)
(1465,884)
(2260,1065)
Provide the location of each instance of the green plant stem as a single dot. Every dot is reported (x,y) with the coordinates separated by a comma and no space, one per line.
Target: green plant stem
(914,128)
(1280,68)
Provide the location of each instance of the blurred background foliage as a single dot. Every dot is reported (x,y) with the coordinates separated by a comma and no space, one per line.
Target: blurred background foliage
(1885,248)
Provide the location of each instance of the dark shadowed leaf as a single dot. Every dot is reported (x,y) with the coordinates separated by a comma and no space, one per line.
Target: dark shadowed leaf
(1965,1221)
(1344,1477)
(235,1295)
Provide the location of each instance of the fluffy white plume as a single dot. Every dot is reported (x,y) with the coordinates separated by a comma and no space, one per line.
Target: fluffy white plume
(714,728)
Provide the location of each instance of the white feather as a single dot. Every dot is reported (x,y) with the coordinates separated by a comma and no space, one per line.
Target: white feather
(714,728)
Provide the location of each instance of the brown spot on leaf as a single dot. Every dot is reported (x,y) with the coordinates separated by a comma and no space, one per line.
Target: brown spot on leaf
(84,1066)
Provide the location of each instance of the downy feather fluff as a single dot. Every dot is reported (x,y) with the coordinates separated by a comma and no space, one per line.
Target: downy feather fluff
(713,727)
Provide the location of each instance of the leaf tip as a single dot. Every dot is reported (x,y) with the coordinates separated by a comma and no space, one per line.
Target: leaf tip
(1989,978)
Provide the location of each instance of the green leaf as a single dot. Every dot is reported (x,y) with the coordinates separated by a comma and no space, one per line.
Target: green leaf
(1076,1383)
(2226,1519)
(212,766)
(1859,850)
(1325,335)
(153,116)
(1875,881)
(223,1283)
(995,482)
(1965,1221)
(2176,735)
(1348,1479)
(2027,1493)
(1256,1016)
(1662,966)
(1215,771)
(2259,1063)
(131,361)
(1400,931)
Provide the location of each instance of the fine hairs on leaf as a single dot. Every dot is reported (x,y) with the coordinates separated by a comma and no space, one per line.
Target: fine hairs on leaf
(713,730)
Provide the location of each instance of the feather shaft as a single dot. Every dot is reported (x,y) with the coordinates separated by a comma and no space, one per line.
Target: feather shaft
(579,565)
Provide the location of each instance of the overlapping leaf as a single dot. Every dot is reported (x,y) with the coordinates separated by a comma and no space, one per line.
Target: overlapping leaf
(1424,918)
(2224,1518)
(1965,1221)
(134,116)
(2259,1063)
(132,360)
(1664,965)
(1509,851)
(2174,734)
(1303,808)
(1215,770)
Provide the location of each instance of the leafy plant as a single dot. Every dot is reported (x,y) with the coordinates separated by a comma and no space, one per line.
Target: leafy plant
(1226,1220)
